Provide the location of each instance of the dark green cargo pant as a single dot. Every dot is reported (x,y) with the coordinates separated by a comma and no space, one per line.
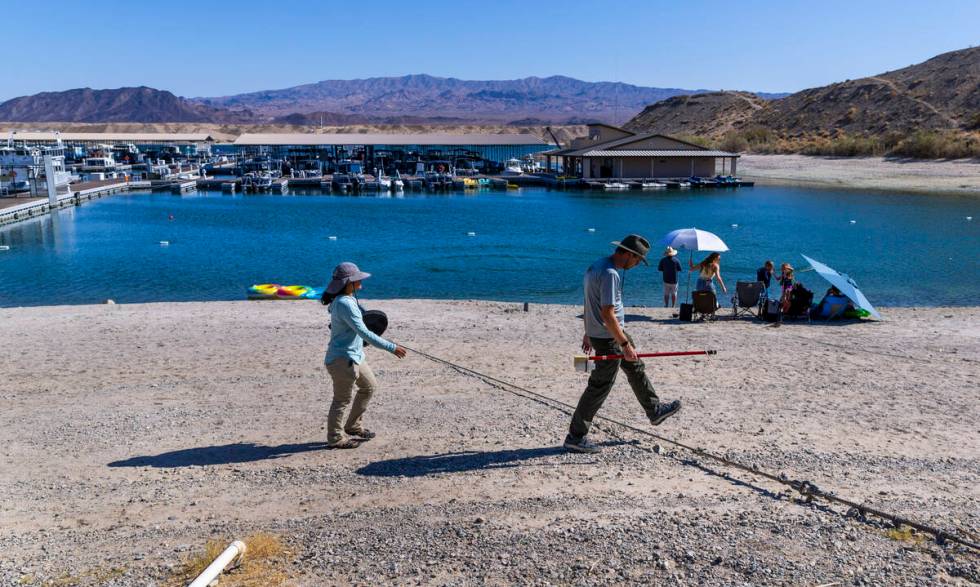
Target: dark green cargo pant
(601,382)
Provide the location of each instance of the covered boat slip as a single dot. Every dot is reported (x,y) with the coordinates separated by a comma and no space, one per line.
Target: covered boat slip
(497,148)
(610,152)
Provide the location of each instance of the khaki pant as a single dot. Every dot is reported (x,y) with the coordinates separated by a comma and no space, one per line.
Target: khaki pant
(345,376)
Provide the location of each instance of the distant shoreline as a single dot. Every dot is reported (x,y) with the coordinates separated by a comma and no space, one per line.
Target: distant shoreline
(960,176)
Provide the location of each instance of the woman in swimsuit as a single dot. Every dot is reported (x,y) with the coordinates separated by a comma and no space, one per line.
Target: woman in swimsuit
(708,271)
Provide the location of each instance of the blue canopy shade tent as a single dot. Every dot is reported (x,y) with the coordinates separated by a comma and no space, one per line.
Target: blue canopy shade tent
(845,285)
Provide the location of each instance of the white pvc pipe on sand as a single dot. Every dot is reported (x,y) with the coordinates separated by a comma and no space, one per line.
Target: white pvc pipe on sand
(235,550)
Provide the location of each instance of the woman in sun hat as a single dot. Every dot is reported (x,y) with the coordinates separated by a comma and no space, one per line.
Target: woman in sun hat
(345,359)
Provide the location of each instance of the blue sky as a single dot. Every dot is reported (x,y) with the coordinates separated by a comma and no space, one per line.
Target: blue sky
(216,48)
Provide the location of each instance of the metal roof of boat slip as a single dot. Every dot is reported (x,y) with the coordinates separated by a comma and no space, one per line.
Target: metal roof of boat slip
(388,139)
(659,153)
(109,136)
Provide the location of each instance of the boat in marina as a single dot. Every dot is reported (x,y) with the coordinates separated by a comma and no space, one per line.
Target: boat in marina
(98,163)
(354,171)
(652,185)
(384,182)
(256,181)
(513,167)
(615,186)
(396,183)
(342,183)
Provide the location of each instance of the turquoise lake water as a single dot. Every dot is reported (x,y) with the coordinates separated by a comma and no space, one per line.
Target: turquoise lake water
(532,245)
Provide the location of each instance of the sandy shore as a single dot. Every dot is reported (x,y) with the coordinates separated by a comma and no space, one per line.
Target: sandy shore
(132,434)
(959,176)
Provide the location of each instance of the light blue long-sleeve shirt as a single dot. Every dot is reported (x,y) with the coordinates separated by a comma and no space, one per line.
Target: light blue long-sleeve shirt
(348,332)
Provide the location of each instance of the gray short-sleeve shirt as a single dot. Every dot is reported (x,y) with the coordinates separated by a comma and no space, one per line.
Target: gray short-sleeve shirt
(603,287)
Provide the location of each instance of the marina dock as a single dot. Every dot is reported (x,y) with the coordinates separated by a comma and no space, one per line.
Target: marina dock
(38,206)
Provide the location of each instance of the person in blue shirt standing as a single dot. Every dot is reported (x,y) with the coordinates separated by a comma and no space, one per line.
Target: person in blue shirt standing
(764,274)
(670,267)
(345,359)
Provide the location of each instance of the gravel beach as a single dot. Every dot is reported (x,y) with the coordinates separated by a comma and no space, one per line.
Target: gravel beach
(131,435)
(960,176)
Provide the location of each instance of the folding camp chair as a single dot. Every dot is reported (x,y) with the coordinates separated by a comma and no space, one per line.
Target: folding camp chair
(748,299)
(705,304)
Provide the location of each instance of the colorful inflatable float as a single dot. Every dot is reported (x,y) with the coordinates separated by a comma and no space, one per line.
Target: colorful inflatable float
(274,291)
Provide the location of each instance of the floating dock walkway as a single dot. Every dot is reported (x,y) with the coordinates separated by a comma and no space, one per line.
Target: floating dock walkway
(38,206)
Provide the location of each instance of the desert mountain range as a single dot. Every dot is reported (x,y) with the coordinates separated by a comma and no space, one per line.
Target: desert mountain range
(879,114)
(411,99)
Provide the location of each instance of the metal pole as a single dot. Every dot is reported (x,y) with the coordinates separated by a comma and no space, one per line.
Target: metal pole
(49,176)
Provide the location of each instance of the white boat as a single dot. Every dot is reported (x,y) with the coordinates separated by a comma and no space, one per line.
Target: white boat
(23,168)
(99,163)
(384,183)
(513,167)
(397,184)
(683,184)
(615,185)
(652,185)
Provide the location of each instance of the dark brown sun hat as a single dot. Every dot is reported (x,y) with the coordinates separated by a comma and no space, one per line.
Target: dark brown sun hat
(635,244)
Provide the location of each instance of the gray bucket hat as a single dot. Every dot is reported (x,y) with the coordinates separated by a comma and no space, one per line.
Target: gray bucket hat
(635,244)
(343,274)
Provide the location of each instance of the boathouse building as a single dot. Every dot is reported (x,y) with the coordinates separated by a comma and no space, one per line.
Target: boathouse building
(616,153)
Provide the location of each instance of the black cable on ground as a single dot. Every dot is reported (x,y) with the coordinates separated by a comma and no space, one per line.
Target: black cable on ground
(808,490)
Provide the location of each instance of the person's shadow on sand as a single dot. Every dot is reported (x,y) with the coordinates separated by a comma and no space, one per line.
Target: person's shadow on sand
(242,452)
(459,462)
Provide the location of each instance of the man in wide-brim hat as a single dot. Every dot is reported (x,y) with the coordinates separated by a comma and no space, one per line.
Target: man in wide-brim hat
(604,332)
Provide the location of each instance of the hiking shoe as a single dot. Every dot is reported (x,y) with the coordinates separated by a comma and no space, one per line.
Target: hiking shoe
(580,445)
(666,410)
(345,443)
(362,435)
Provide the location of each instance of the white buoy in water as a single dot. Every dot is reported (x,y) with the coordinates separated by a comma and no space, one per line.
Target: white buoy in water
(164,243)
(333,238)
(854,221)
(734,226)
(4,248)
(591,230)
(968,218)
(471,234)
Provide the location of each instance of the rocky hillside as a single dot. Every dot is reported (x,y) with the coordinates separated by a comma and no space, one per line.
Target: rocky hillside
(549,99)
(710,114)
(140,104)
(941,94)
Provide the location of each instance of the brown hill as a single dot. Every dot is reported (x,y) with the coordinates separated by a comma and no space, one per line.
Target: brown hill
(711,114)
(941,94)
(139,104)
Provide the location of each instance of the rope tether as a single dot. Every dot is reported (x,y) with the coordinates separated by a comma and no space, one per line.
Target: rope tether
(807,489)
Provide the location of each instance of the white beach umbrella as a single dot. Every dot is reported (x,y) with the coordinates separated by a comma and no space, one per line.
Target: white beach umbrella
(844,284)
(693,239)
